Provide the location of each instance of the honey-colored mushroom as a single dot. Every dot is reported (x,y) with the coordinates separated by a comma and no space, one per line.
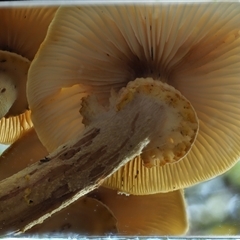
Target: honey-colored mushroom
(193,47)
(21,33)
(85,217)
(149,215)
(25,151)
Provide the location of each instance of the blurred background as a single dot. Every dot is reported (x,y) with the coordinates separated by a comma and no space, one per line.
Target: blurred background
(213,206)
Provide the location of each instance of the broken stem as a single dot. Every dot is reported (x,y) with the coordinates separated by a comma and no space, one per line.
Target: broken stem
(80,166)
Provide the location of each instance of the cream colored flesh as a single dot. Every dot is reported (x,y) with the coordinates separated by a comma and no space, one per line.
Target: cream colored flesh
(180,123)
(180,128)
(8,94)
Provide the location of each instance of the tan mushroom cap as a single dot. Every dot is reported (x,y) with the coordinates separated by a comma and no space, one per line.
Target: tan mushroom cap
(23,152)
(24,28)
(15,118)
(86,216)
(193,47)
(155,214)
(22,31)
(14,69)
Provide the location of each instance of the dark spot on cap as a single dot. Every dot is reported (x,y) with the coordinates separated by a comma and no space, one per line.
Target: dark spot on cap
(3,90)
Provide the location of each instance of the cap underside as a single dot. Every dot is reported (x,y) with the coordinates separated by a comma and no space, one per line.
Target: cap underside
(193,47)
(18,119)
(24,28)
(22,31)
(12,128)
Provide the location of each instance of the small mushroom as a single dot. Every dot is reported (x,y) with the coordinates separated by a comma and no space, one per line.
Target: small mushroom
(21,33)
(96,50)
(155,214)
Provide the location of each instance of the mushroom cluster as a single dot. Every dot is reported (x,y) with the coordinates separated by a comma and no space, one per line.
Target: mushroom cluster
(22,31)
(185,55)
(96,50)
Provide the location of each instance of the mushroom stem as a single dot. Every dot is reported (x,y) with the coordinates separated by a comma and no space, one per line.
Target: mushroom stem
(79,166)
(8,94)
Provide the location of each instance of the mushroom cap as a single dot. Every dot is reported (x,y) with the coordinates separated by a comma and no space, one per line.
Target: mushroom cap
(155,214)
(26,150)
(86,216)
(14,68)
(193,47)
(22,31)
(24,28)
(13,127)
(13,73)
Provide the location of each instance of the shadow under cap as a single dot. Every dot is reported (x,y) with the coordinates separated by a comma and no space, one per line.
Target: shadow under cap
(193,47)
(22,31)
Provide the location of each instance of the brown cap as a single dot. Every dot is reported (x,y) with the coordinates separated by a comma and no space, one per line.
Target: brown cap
(24,28)
(86,216)
(193,47)
(25,151)
(22,31)
(154,214)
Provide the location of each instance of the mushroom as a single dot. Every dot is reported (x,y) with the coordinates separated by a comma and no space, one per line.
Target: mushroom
(154,214)
(21,33)
(96,50)
(26,150)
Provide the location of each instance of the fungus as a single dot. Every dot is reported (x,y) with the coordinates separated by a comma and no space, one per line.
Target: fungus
(21,33)
(96,50)
(26,150)
(154,214)
(87,216)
